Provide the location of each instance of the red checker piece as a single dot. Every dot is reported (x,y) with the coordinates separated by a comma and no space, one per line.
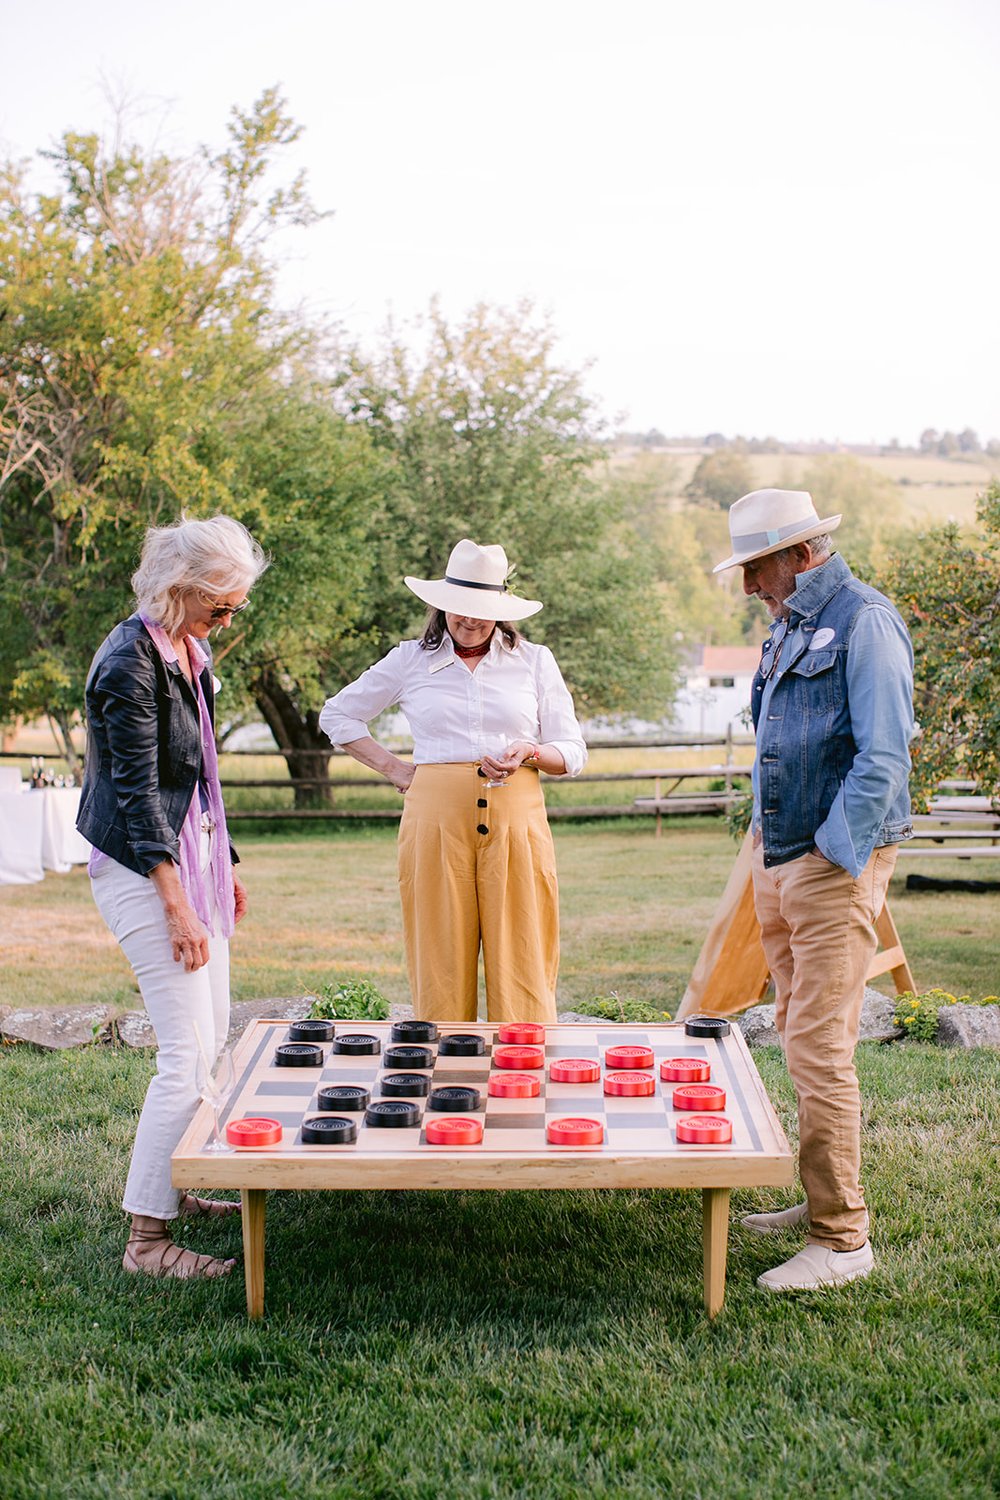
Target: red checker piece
(685,1070)
(522,1033)
(519,1057)
(256,1132)
(629,1083)
(632,1056)
(453,1131)
(699,1096)
(705,1130)
(575,1070)
(574,1132)
(514,1086)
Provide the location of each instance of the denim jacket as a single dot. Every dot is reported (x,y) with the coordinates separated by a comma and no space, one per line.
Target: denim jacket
(834,720)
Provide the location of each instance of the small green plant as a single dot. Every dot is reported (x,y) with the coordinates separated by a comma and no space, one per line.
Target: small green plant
(350,1000)
(612,1008)
(918,1013)
(740,814)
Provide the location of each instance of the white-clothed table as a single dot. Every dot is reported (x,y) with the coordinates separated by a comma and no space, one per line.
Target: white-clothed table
(38,833)
(20,838)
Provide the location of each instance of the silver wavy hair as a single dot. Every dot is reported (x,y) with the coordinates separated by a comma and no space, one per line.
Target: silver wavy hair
(213,557)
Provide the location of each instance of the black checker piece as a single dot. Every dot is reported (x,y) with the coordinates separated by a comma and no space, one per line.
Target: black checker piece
(338,1096)
(409,1085)
(407,1057)
(415,1033)
(456,1100)
(461,1044)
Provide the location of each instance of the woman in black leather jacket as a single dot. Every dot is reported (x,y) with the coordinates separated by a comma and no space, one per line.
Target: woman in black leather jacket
(162,866)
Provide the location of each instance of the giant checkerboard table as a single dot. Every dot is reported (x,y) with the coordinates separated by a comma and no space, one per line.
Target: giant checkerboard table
(639,1146)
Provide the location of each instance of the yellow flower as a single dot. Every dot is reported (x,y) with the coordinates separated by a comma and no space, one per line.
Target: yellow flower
(908,1020)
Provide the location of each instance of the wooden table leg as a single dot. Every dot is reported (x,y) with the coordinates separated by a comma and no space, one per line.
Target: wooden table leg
(253,1249)
(715,1238)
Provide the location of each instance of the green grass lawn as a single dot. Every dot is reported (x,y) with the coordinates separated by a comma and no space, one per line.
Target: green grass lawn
(324,905)
(498,1344)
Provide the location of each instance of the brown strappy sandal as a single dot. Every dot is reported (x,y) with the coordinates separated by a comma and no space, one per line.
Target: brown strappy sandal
(172,1260)
(193,1207)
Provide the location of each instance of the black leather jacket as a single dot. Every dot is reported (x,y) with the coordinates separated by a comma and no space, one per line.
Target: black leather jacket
(143,749)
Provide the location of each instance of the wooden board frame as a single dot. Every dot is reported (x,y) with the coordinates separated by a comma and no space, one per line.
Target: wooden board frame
(760,1155)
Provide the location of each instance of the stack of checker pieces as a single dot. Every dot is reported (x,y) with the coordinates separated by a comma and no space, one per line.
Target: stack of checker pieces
(508,1088)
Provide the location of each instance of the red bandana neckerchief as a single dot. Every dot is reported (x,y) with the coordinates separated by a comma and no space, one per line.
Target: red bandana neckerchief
(467,651)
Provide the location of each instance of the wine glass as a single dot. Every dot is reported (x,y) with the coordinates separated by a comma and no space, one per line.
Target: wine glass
(215,1086)
(484,749)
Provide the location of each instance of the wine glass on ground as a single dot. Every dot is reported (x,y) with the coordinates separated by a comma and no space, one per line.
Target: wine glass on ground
(215,1087)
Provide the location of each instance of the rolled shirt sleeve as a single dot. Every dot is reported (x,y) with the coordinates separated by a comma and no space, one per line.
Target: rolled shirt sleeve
(345,717)
(557,722)
(880,702)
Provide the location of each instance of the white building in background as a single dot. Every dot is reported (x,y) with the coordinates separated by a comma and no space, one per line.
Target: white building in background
(715,691)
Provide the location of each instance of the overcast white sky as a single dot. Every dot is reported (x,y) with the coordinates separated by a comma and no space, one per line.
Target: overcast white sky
(779,217)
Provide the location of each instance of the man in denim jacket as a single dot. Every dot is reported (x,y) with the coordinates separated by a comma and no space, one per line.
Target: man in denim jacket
(833,710)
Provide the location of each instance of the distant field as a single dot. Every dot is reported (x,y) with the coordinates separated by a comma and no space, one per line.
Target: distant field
(933,489)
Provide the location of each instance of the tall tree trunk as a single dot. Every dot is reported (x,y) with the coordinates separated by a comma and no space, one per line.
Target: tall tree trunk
(62,733)
(306,749)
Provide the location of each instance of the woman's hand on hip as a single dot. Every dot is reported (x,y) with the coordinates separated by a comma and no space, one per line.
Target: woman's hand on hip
(241,900)
(401,775)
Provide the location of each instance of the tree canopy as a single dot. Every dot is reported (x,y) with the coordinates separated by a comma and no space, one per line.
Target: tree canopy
(947,588)
(145,370)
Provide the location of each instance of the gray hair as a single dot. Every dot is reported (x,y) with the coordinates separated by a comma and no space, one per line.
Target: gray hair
(821,545)
(212,557)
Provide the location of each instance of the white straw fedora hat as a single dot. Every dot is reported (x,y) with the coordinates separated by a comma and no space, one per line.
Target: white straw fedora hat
(475,584)
(767,520)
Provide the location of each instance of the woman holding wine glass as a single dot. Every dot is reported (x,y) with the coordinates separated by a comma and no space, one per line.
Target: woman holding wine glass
(162,865)
(487,710)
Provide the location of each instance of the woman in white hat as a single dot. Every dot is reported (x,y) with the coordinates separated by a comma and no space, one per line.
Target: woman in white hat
(488,710)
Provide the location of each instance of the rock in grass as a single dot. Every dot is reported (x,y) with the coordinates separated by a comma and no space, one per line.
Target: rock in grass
(135,1029)
(969,1026)
(58,1027)
(758,1028)
(877,1023)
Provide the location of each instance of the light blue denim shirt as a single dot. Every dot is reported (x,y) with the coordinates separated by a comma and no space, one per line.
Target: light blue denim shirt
(834,721)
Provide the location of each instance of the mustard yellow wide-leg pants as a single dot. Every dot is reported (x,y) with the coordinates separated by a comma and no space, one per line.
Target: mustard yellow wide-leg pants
(477,869)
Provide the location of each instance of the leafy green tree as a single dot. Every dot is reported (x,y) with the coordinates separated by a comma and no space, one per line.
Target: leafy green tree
(722,477)
(947,588)
(870,502)
(490,437)
(143,371)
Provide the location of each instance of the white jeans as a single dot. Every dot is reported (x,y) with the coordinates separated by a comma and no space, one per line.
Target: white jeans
(176,1003)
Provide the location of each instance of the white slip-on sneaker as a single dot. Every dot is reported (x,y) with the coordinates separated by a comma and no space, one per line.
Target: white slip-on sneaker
(777,1223)
(786,1218)
(816,1266)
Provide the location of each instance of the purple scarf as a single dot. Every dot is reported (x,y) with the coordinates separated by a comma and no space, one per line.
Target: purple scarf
(220,870)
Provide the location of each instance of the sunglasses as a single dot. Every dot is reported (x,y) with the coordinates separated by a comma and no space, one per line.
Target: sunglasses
(220,611)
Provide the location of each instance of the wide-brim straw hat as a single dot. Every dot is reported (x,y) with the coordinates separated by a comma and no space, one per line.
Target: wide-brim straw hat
(475,585)
(765,521)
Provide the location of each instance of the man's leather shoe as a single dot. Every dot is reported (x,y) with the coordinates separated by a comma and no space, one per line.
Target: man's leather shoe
(816,1266)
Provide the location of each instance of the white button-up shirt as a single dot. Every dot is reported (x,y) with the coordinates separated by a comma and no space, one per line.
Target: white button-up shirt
(458,715)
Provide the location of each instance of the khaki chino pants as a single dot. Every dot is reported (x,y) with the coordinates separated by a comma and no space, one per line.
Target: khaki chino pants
(477,869)
(818,930)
